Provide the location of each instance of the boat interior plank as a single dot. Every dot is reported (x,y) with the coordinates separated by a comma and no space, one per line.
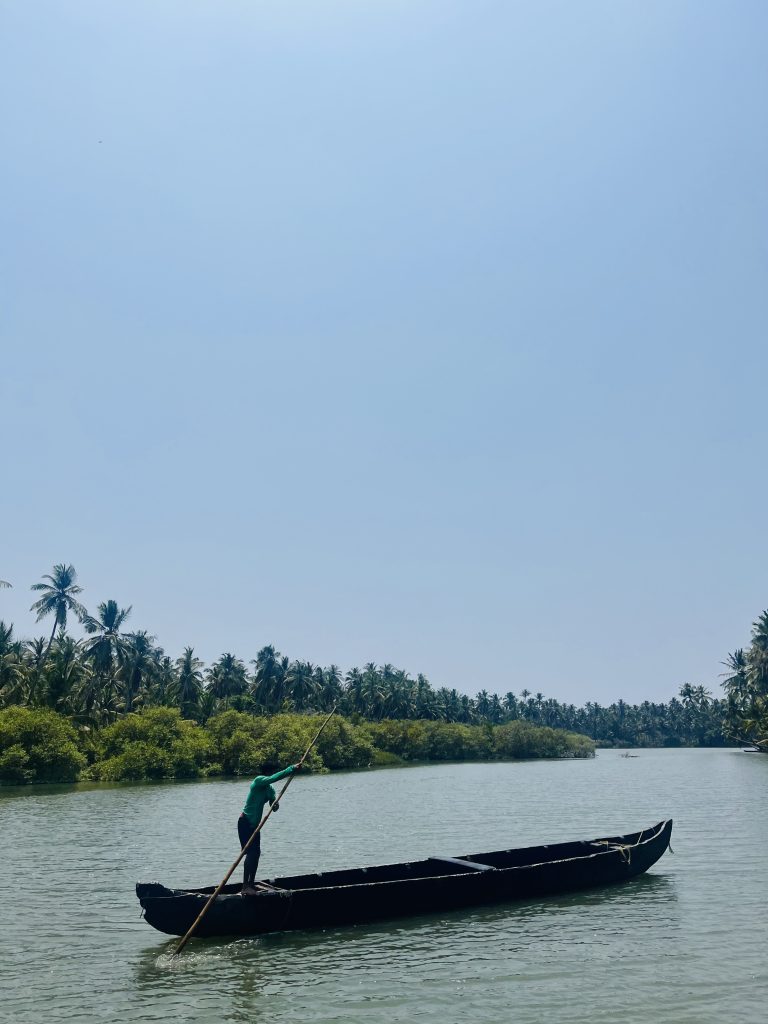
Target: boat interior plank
(461,862)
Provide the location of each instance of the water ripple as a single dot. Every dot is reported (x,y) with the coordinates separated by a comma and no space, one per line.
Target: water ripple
(686,940)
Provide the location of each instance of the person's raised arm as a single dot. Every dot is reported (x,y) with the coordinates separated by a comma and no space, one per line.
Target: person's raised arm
(269,779)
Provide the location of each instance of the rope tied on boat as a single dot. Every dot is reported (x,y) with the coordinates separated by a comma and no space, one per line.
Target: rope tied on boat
(622,848)
(625,849)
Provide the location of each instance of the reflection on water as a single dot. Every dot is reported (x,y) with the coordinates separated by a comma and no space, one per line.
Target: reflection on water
(686,938)
(388,937)
(472,946)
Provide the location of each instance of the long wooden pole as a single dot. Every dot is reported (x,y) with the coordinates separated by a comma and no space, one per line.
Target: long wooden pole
(244,850)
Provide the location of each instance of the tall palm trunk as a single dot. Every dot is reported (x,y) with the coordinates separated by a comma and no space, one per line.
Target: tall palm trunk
(50,641)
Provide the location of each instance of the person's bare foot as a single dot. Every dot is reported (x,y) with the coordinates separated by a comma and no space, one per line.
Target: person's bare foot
(249,890)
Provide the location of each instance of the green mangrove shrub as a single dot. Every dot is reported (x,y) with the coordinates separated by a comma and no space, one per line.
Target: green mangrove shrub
(38,745)
(153,744)
(521,739)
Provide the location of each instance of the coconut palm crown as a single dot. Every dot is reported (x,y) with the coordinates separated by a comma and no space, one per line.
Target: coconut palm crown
(107,646)
(59,598)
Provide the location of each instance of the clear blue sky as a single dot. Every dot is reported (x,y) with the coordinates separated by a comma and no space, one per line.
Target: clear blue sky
(422,332)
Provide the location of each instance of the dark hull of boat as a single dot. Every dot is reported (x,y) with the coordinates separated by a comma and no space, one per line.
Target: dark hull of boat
(399,890)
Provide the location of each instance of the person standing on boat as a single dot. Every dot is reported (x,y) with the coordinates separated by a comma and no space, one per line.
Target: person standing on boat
(260,793)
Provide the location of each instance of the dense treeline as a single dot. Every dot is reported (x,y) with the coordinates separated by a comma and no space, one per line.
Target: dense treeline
(39,745)
(112,671)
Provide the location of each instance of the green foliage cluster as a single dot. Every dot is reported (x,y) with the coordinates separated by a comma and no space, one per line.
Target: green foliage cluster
(38,746)
(344,745)
(236,743)
(521,739)
(450,741)
(158,743)
(432,741)
(154,744)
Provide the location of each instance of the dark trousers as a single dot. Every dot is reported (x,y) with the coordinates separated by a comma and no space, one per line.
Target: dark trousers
(244,831)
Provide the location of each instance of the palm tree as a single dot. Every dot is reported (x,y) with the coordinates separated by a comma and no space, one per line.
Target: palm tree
(330,691)
(227,678)
(163,681)
(467,714)
(108,648)
(36,653)
(371,695)
(13,673)
(189,682)
(758,655)
(399,697)
(140,657)
(483,704)
(509,701)
(5,585)
(424,705)
(94,701)
(736,679)
(688,695)
(64,672)
(497,709)
(7,643)
(594,714)
(302,684)
(59,599)
(738,686)
(268,687)
(353,692)
(453,710)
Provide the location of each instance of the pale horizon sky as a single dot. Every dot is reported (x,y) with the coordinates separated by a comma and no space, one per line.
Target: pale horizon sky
(431,333)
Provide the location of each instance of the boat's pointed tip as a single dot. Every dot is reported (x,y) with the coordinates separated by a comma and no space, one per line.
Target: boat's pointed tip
(148,889)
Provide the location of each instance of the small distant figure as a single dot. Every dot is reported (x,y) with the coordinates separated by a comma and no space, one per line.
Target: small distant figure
(260,793)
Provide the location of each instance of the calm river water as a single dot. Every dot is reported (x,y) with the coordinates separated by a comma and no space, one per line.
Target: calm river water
(685,943)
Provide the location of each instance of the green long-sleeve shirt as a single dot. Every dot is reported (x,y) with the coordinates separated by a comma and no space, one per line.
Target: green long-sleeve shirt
(261,790)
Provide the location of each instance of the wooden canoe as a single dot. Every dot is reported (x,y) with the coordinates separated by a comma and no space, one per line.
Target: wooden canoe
(436,884)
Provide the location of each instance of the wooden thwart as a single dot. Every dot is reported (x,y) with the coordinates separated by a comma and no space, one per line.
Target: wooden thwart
(460,862)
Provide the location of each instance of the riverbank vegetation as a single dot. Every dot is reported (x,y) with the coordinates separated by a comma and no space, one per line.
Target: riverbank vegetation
(746,687)
(39,745)
(96,681)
